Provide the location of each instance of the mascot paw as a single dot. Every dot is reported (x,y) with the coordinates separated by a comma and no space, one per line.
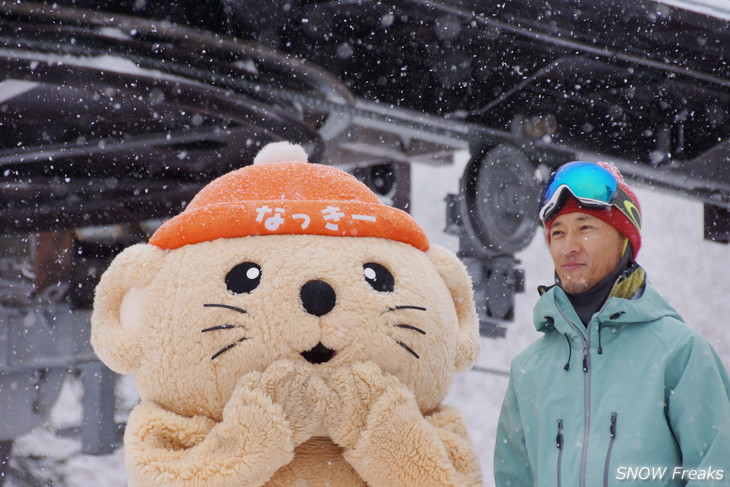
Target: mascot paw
(301,394)
(355,390)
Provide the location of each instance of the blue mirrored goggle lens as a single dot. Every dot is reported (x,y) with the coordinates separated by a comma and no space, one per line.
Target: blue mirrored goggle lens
(590,184)
(584,180)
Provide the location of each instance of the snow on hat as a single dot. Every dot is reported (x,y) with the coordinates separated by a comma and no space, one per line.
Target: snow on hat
(613,216)
(283,194)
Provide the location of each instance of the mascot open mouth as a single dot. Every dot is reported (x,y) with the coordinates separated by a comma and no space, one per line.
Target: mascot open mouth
(319,354)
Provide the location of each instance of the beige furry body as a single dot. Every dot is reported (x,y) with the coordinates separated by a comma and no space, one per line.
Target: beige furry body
(259,414)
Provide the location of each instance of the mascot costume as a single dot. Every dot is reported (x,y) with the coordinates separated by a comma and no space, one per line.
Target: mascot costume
(290,329)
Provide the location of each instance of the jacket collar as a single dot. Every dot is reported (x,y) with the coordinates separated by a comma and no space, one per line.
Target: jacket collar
(632,300)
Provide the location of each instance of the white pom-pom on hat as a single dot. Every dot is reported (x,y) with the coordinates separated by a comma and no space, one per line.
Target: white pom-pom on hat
(280,152)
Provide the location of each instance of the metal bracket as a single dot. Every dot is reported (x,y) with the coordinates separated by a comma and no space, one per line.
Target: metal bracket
(100,434)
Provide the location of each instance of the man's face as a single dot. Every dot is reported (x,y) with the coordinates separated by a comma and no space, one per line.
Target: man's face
(584,250)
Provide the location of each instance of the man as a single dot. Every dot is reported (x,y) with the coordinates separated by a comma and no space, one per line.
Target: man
(619,390)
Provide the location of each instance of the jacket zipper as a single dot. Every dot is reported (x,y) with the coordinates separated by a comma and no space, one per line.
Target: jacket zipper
(612,430)
(559,444)
(585,338)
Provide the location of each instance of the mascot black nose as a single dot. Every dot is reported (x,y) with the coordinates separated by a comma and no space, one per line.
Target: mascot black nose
(318,298)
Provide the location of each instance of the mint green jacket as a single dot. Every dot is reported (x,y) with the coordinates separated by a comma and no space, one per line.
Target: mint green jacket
(637,398)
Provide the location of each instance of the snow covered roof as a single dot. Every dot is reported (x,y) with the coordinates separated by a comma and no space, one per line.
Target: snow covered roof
(714,8)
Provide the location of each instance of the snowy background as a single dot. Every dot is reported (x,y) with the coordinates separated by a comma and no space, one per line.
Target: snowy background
(689,271)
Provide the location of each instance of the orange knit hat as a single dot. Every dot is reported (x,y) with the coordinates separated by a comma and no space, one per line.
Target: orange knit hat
(291,197)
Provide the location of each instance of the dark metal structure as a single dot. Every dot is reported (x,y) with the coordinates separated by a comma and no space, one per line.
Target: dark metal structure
(114,113)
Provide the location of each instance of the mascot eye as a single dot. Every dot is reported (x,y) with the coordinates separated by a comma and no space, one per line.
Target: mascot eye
(378,277)
(243,278)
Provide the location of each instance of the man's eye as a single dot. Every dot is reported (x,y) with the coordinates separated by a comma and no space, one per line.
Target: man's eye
(378,277)
(243,278)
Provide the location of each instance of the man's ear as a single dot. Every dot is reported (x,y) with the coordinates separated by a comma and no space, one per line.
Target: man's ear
(118,306)
(454,274)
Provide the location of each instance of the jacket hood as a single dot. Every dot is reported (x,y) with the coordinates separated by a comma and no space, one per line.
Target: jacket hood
(553,309)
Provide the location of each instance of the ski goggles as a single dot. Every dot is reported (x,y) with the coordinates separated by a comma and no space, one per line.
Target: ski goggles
(592,186)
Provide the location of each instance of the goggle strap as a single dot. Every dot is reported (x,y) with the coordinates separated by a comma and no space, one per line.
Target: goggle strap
(626,205)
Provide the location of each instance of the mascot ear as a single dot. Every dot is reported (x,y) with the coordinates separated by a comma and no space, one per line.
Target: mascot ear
(454,274)
(118,306)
